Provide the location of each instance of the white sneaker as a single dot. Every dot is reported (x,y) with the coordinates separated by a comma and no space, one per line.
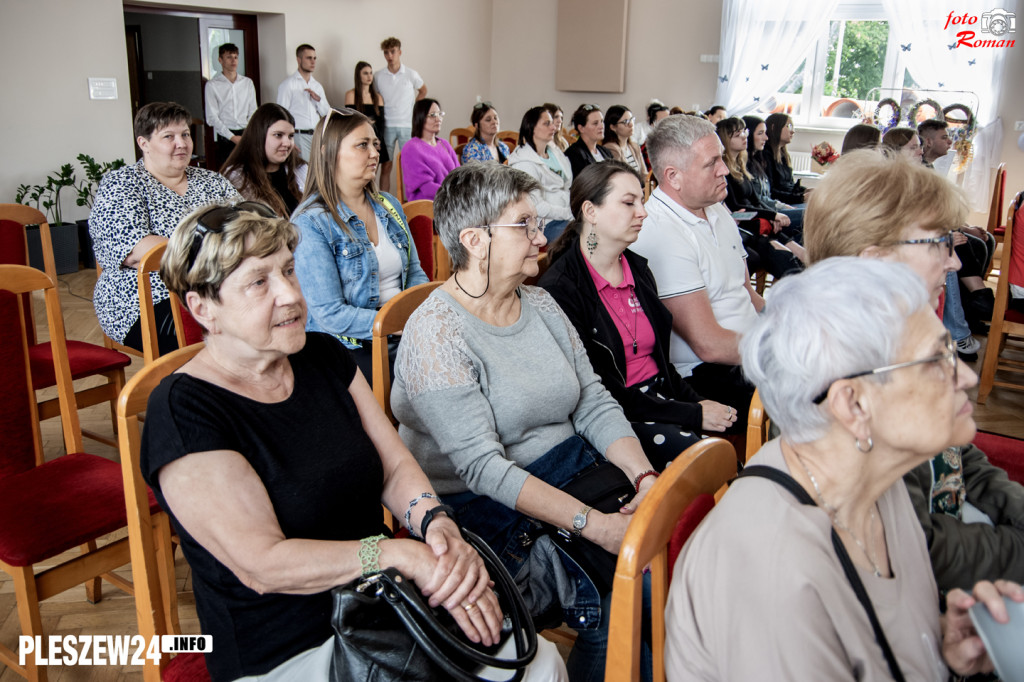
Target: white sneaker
(968,346)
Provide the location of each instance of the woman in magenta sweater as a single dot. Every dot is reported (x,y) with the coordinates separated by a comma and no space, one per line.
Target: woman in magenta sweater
(426,159)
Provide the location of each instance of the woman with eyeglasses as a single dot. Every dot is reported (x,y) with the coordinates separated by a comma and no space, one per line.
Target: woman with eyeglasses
(426,158)
(898,210)
(864,385)
(618,139)
(265,165)
(610,296)
(776,161)
(537,156)
(356,250)
(531,413)
(137,207)
(588,122)
(766,232)
(273,458)
(484,145)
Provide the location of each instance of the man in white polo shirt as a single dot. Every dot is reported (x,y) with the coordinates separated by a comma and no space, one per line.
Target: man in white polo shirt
(400,87)
(693,247)
(304,97)
(230,102)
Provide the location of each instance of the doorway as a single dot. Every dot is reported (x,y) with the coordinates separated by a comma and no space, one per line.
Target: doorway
(173,52)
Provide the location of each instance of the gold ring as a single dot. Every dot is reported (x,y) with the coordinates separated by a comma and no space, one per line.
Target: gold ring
(469,607)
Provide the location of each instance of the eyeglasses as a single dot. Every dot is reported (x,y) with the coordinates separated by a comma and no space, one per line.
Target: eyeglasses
(215,218)
(482,105)
(947,238)
(588,107)
(344,111)
(789,126)
(741,133)
(436,114)
(626,121)
(533,225)
(947,357)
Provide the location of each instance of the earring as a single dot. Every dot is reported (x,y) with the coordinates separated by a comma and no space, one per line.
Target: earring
(591,242)
(870,446)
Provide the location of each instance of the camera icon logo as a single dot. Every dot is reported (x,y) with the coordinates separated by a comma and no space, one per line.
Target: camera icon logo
(998,22)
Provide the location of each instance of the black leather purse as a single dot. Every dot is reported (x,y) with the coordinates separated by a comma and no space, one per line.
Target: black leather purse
(383,630)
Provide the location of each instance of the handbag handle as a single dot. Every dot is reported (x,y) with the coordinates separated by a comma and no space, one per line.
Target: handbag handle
(423,625)
(790,484)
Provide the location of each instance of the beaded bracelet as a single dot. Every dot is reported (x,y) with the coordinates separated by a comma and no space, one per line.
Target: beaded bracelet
(641,476)
(413,503)
(369,554)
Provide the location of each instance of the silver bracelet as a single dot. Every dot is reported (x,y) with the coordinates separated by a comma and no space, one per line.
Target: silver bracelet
(408,512)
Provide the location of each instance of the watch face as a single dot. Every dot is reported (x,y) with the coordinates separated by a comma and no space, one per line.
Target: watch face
(579,521)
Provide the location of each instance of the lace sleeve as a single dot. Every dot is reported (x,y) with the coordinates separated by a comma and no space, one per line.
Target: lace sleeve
(433,355)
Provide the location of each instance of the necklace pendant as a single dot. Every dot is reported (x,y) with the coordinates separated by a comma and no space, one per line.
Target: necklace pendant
(634,346)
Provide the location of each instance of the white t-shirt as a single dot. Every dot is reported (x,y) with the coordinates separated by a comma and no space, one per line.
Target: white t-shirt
(687,254)
(399,93)
(389,264)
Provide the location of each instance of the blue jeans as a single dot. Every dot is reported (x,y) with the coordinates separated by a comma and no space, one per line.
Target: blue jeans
(587,658)
(953,317)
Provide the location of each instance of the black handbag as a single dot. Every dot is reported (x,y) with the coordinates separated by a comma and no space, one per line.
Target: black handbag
(606,488)
(383,630)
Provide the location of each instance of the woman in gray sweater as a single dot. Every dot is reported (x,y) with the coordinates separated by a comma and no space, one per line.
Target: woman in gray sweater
(498,400)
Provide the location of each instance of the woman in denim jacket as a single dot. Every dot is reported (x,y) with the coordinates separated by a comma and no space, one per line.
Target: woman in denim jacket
(346,268)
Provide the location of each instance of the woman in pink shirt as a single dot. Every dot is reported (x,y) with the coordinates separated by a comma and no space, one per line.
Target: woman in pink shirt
(426,159)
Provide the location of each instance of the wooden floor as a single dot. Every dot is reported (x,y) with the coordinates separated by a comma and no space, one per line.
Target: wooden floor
(70,614)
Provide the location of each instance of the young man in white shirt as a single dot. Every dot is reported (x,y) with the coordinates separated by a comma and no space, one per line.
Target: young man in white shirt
(400,87)
(304,97)
(693,247)
(230,102)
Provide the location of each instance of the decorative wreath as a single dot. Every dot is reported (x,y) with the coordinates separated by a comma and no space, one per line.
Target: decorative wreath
(893,120)
(964,154)
(912,114)
(965,132)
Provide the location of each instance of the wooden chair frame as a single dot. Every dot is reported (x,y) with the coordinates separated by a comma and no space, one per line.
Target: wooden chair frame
(995,208)
(757,425)
(149,535)
(703,468)
(147,316)
(399,180)
(456,133)
(93,563)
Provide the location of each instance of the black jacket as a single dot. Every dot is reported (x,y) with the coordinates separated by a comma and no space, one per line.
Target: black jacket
(569,283)
(780,177)
(579,156)
(742,196)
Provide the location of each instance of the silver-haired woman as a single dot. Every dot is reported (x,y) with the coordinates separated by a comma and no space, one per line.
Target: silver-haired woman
(864,384)
(498,400)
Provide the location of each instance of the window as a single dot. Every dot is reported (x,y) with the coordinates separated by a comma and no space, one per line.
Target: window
(853,66)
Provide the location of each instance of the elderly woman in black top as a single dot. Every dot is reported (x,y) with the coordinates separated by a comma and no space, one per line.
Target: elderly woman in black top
(610,296)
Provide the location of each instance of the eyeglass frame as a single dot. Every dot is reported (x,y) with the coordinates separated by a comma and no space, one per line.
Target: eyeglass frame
(949,355)
(948,238)
(482,105)
(231,212)
(541,222)
(437,114)
(626,121)
(344,111)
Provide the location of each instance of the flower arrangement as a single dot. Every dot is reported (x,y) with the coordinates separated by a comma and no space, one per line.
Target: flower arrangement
(824,154)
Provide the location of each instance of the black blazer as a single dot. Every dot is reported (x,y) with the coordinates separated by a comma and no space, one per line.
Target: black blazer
(580,157)
(780,177)
(742,196)
(570,284)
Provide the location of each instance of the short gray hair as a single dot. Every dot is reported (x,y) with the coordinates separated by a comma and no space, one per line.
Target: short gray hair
(838,317)
(670,142)
(475,194)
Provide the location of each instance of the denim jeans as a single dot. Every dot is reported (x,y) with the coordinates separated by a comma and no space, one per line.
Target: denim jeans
(953,317)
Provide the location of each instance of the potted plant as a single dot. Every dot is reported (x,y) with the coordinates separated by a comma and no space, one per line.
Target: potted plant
(65,235)
(86,189)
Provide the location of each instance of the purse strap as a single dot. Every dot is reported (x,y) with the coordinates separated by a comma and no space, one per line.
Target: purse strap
(422,624)
(787,482)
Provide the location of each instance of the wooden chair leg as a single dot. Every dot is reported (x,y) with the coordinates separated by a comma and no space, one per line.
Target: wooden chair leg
(93,586)
(28,614)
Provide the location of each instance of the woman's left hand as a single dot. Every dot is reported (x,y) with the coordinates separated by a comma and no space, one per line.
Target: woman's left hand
(460,582)
(781,220)
(961,647)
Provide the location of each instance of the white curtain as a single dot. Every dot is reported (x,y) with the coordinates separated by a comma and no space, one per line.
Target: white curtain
(762,45)
(937,67)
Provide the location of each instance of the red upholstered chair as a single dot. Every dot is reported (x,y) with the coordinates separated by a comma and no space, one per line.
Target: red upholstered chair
(1006,322)
(87,359)
(149,530)
(48,508)
(995,209)
(187,329)
(697,474)
(460,136)
(420,215)
(1004,452)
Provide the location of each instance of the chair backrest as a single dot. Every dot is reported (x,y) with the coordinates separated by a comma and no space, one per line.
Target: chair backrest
(185,327)
(509,137)
(458,151)
(420,214)
(399,180)
(757,426)
(1015,238)
(442,260)
(460,136)
(995,208)
(14,220)
(391,319)
(701,469)
(152,569)
(21,443)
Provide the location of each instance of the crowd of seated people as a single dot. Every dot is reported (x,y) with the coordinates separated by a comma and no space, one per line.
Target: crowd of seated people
(643,336)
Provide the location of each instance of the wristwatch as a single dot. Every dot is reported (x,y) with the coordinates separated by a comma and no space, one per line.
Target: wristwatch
(579,522)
